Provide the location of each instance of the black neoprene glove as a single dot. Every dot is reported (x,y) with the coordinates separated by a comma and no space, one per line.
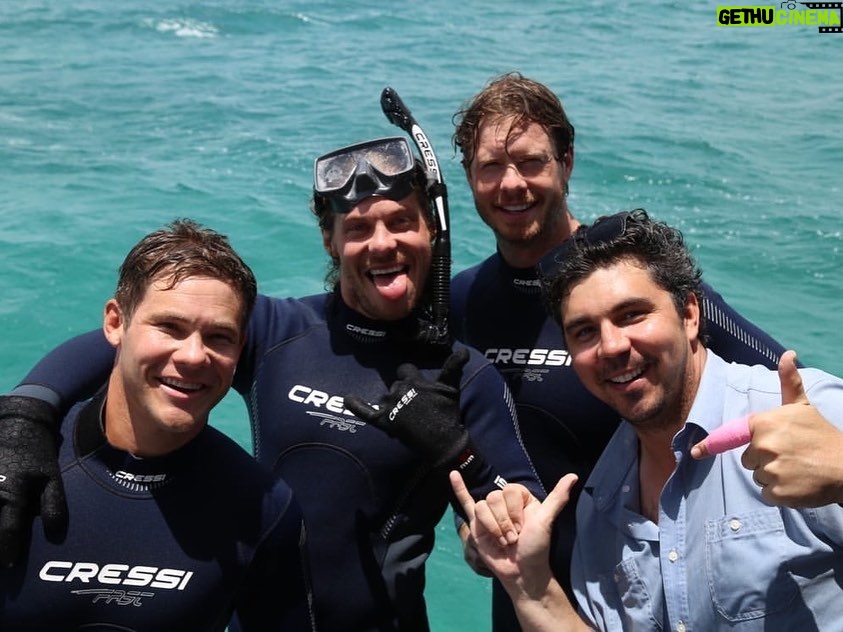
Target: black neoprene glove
(425,416)
(29,473)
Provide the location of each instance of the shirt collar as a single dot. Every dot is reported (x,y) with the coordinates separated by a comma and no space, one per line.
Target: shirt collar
(707,409)
(706,412)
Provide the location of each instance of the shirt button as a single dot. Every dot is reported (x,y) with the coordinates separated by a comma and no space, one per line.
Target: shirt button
(680,627)
(673,556)
(735,524)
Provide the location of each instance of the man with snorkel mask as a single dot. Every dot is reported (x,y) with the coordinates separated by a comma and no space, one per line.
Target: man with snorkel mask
(372,483)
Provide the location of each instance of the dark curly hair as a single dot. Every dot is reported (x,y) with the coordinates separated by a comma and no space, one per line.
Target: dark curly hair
(631,236)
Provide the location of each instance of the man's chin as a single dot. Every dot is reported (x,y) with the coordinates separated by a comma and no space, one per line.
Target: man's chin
(388,309)
(517,238)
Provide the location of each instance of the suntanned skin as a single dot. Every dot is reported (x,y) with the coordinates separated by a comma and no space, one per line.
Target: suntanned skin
(175,361)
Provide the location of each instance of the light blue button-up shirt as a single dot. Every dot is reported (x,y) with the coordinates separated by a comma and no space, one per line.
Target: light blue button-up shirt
(720,557)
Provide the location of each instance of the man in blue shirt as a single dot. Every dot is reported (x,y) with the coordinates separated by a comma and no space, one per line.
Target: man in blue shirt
(664,540)
(517,146)
(146,546)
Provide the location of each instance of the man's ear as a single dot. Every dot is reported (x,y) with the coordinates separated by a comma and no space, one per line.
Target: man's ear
(113,323)
(567,164)
(692,317)
(328,245)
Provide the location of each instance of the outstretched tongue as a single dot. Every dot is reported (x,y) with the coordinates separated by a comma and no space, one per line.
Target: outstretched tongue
(392,285)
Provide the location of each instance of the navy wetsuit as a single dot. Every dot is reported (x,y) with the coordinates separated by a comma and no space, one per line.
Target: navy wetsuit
(498,309)
(178,542)
(370,505)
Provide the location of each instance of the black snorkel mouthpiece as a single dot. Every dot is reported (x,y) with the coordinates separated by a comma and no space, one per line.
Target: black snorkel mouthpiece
(434,330)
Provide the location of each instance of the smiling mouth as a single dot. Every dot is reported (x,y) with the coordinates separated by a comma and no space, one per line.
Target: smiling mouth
(629,376)
(516,208)
(181,385)
(387,272)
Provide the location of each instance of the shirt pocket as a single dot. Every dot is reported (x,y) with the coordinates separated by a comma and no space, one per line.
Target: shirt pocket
(628,597)
(746,565)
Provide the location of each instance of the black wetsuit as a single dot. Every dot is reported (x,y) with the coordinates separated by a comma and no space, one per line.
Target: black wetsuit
(370,505)
(498,309)
(178,542)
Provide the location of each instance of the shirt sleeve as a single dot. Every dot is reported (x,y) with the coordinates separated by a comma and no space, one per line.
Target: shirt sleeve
(490,418)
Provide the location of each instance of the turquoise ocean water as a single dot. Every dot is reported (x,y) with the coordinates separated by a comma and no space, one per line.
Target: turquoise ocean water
(116,118)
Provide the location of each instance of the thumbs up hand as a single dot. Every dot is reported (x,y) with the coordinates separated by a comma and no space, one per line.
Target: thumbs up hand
(795,453)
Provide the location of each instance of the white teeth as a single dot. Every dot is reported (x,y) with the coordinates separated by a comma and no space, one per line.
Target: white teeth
(386,271)
(516,209)
(626,377)
(179,384)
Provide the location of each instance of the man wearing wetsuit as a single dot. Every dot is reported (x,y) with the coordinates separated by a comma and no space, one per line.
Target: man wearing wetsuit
(172,525)
(518,153)
(370,502)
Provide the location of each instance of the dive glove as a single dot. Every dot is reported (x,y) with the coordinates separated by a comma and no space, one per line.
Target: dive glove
(425,416)
(29,473)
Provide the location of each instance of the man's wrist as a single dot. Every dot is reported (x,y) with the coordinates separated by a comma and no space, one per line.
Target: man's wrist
(36,391)
(32,409)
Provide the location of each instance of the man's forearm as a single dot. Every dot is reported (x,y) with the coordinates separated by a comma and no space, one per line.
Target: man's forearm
(542,606)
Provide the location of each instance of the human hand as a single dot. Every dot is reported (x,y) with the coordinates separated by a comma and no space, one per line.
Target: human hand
(29,473)
(423,415)
(470,553)
(736,433)
(511,529)
(795,451)
(732,434)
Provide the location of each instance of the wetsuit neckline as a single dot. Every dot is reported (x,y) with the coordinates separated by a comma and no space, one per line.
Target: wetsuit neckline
(523,280)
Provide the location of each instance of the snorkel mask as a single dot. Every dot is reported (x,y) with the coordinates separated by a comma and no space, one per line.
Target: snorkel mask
(347,176)
(388,167)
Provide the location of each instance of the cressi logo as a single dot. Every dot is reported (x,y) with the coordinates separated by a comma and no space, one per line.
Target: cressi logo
(405,400)
(336,416)
(529,357)
(362,331)
(115,574)
(144,479)
(826,16)
(318,399)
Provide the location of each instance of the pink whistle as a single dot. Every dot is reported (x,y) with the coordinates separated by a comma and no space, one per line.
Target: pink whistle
(732,434)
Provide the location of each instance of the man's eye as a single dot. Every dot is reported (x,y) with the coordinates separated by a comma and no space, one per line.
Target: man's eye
(531,166)
(632,316)
(222,338)
(402,223)
(355,230)
(581,334)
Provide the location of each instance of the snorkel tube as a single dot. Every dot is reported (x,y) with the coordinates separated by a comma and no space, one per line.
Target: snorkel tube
(398,114)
